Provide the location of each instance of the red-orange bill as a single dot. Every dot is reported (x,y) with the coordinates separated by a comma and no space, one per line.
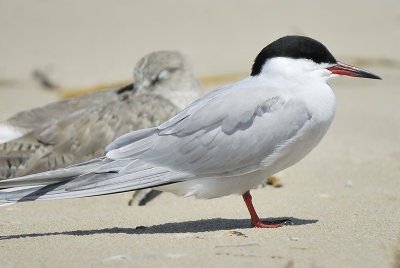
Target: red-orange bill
(345,69)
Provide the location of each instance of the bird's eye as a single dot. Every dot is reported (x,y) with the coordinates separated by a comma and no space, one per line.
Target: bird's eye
(164,74)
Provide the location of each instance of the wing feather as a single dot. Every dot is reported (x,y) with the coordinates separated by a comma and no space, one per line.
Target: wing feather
(83,135)
(205,139)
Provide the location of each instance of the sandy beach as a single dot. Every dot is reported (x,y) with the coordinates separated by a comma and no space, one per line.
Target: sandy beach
(343,198)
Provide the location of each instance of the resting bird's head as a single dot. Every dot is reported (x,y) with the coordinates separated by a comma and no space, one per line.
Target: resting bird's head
(167,73)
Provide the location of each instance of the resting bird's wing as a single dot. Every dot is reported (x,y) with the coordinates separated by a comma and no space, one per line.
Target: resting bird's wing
(30,120)
(228,132)
(82,135)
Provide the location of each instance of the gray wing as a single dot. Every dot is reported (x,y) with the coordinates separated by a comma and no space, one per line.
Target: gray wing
(49,114)
(82,135)
(229,131)
(34,119)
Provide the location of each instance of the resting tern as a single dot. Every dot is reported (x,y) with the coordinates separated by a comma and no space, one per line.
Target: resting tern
(224,143)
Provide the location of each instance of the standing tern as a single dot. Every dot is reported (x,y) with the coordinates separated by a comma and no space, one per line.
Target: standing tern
(226,142)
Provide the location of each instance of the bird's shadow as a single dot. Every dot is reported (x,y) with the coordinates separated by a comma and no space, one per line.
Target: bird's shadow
(209,225)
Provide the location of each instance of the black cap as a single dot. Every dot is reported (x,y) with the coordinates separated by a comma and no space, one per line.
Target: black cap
(296,47)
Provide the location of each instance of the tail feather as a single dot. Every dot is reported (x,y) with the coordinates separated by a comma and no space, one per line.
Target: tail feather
(54,176)
(119,177)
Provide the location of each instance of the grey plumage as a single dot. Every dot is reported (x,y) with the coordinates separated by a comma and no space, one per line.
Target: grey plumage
(76,130)
(83,134)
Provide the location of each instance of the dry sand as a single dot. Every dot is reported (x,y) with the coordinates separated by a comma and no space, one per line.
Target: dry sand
(344,198)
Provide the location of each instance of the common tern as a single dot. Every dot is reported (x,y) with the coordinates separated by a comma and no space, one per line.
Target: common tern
(226,142)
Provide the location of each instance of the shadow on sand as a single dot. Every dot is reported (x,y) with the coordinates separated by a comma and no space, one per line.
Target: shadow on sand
(209,225)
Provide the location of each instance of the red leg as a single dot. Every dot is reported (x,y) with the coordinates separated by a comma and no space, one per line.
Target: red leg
(255,220)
